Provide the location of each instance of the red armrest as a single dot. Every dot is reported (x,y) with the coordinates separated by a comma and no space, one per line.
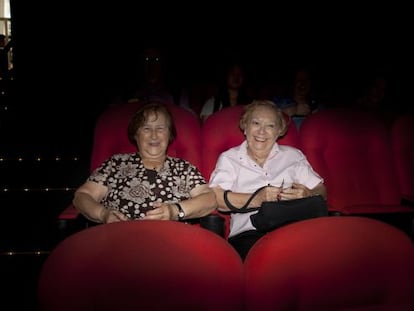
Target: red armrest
(69,213)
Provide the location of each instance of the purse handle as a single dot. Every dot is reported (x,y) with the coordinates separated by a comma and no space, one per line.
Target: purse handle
(244,208)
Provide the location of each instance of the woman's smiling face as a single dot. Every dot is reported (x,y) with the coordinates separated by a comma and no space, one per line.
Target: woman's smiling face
(262,129)
(152,138)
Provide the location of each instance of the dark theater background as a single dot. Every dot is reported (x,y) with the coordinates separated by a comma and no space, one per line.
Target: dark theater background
(70,60)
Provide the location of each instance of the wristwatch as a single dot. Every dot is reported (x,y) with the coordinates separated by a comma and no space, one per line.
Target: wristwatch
(181,213)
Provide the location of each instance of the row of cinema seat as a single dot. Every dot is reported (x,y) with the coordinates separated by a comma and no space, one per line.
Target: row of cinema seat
(367,163)
(328,263)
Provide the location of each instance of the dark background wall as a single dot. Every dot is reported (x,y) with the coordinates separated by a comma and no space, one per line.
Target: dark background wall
(72,59)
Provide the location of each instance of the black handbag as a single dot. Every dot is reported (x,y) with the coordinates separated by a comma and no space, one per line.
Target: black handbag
(274,214)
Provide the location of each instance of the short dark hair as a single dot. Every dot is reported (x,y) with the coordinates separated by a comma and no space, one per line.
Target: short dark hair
(141,116)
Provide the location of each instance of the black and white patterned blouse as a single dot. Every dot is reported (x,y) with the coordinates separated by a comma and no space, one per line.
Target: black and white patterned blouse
(133,188)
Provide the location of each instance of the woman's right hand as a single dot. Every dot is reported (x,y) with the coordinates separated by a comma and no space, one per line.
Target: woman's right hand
(270,193)
(112,215)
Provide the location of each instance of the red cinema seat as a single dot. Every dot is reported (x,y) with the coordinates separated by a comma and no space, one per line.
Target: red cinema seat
(331,263)
(402,132)
(110,135)
(221,131)
(142,265)
(352,151)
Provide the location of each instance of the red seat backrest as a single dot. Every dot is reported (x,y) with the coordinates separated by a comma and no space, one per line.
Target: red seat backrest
(331,263)
(402,132)
(111,137)
(221,132)
(350,149)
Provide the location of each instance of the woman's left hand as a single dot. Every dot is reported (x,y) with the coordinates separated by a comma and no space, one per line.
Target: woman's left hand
(161,211)
(296,191)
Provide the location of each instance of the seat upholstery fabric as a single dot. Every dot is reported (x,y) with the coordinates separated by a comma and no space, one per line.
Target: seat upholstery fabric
(142,265)
(352,151)
(111,137)
(402,132)
(331,263)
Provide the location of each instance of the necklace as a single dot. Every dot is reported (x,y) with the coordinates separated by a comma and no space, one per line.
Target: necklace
(153,164)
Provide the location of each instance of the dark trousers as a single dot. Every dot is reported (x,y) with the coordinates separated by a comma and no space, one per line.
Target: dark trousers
(242,242)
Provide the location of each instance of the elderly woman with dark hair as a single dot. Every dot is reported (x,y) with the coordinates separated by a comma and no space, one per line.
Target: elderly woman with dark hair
(147,184)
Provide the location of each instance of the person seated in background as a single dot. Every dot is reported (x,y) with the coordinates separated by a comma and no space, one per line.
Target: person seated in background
(260,161)
(376,95)
(153,86)
(232,92)
(301,102)
(373,94)
(147,184)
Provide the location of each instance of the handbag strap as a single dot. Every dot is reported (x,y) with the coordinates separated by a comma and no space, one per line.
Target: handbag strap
(244,208)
